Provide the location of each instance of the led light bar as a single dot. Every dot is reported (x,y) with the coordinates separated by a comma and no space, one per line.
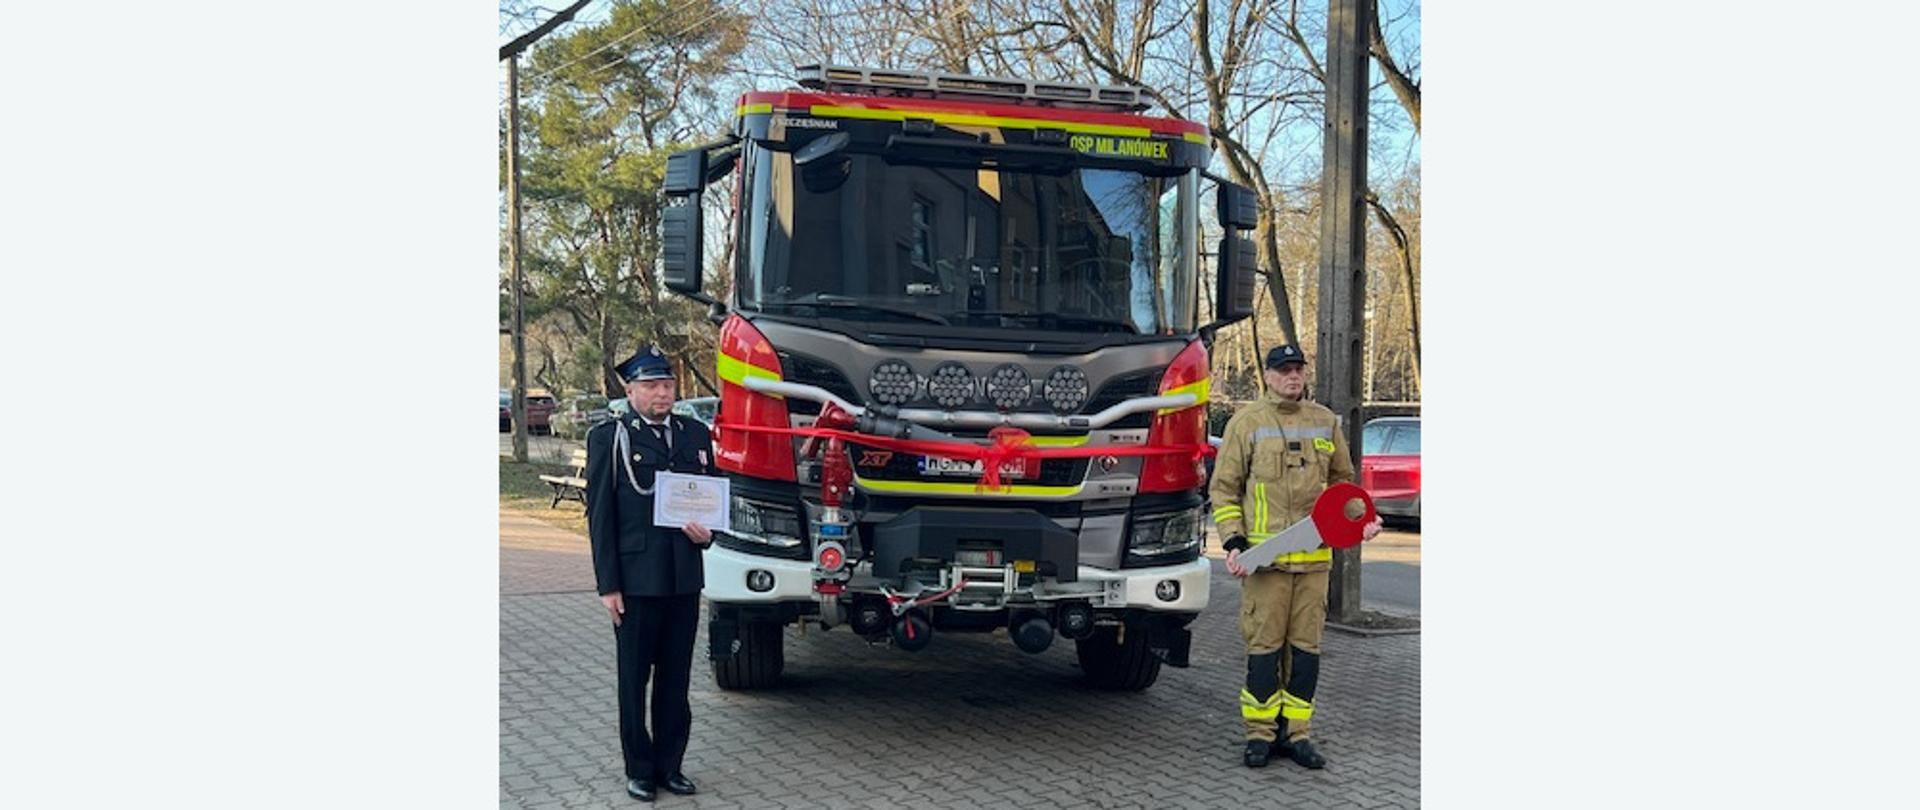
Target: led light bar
(841,78)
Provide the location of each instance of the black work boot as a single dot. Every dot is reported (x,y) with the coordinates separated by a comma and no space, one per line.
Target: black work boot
(1258,751)
(1302,753)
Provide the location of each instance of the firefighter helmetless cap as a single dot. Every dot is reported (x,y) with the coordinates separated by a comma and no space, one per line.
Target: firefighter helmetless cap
(1282,356)
(646,364)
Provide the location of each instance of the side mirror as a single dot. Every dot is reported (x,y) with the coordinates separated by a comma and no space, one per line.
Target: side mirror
(1233,282)
(1239,208)
(686,172)
(680,245)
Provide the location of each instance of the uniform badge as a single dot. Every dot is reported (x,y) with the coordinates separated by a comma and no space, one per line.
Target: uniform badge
(703,457)
(1323,445)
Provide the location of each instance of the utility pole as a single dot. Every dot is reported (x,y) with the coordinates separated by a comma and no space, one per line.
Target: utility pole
(1343,254)
(511,53)
(513,256)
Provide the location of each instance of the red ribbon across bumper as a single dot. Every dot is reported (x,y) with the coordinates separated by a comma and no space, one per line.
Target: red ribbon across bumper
(1006,444)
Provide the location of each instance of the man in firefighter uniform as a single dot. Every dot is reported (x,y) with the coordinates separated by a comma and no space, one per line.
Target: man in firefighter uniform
(1275,459)
(648,577)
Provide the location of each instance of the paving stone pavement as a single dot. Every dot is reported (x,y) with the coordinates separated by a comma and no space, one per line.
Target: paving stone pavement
(969,722)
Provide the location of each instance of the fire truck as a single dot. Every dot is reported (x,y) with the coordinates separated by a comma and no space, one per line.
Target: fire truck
(963,373)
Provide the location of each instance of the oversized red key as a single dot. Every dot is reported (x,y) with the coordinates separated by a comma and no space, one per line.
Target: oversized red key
(1327,524)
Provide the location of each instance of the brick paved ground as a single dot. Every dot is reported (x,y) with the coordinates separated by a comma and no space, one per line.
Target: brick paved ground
(969,722)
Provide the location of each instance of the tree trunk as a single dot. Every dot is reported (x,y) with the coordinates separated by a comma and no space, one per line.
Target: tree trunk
(1401,247)
(1404,87)
(609,355)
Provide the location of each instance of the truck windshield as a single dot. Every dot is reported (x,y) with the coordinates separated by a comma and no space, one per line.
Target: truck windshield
(1079,250)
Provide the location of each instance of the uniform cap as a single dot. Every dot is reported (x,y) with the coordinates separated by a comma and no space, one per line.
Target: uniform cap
(646,364)
(1282,356)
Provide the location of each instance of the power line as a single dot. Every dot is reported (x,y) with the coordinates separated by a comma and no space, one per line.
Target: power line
(637,30)
(640,29)
(526,40)
(510,19)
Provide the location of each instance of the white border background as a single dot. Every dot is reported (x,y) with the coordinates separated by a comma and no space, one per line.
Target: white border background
(251,257)
(251,555)
(1664,283)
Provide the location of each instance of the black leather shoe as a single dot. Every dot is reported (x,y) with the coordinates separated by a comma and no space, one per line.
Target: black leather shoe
(1302,754)
(641,789)
(1258,751)
(679,784)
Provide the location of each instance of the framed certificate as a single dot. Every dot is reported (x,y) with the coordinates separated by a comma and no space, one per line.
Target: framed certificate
(679,499)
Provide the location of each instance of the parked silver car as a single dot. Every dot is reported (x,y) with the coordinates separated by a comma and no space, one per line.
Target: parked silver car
(701,408)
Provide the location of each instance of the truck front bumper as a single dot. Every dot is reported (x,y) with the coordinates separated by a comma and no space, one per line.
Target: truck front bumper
(1180,588)
(727,572)
(1188,584)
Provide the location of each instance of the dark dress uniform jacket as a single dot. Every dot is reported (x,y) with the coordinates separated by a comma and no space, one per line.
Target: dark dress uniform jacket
(631,555)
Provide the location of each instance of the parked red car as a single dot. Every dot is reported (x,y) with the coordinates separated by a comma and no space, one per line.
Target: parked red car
(540,407)
(1390,465)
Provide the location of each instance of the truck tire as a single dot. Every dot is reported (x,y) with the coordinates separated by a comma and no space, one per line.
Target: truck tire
(1128,666)
(759,661)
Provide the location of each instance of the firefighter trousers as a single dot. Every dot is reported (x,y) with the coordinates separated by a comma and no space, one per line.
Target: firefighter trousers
(1281,617)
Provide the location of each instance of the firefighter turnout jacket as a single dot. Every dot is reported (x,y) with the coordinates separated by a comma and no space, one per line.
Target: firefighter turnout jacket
(1276,458)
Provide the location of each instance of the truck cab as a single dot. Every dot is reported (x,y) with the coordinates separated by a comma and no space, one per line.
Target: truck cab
(932,263)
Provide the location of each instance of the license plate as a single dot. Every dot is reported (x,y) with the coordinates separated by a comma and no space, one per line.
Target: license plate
(970,468)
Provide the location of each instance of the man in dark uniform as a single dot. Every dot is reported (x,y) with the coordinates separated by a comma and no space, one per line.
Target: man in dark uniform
(648,577)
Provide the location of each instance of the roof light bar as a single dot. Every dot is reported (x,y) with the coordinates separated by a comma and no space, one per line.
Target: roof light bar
(870,81)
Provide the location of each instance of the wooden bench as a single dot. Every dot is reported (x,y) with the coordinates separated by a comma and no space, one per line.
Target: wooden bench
(570,487)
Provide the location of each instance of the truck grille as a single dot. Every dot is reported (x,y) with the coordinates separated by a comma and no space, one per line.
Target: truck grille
(1122,388)
(804,370)
(1054,472)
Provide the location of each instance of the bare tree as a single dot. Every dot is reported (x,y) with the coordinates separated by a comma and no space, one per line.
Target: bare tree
(1406,86)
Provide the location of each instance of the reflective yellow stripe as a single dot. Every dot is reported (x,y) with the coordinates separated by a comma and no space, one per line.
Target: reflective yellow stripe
(1058,441)
(1198,388)
(1226,513)
(1295,708)
(1321,554)
(737,371)
(1260,508)
(1194,137)
(969,488)
(753,109)
(1255,709)
(967,119)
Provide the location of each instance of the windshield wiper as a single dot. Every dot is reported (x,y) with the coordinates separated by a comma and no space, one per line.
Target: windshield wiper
(848,302)
(1057,320)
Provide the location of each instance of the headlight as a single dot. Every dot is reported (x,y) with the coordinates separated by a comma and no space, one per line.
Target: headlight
(893,383)
(1066,389)
(950,385)
(1167,537)
(763,528)
(1009,387)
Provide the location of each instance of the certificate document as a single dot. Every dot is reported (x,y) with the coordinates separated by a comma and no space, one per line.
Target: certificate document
(680,499)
